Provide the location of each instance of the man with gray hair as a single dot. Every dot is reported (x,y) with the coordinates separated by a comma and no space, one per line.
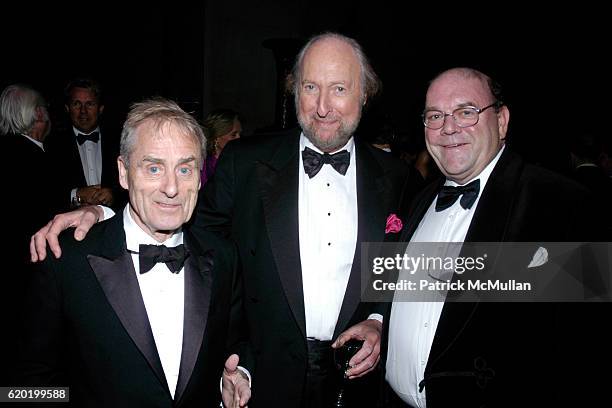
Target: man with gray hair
(29,193)
(138,314)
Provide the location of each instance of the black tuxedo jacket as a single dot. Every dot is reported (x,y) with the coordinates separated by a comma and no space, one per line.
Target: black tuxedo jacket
(65,154)
(87,327)
(512,354)
(31,200)
(253,197)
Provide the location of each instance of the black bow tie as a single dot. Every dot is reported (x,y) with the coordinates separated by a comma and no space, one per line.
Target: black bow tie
(449,194)
(174,258)
(93,136)
(313,161)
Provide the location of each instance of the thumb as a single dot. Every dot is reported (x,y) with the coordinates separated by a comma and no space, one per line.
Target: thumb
(231,363)
(340,340)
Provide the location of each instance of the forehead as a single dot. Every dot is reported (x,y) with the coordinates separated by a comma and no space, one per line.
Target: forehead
(454,89)
(82,94)
(162,138)
(330,59)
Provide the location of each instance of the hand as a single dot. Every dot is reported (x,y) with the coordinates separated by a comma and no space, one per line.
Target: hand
(83,219)
(236,390)
(366,359)
(86,194)
(103,196)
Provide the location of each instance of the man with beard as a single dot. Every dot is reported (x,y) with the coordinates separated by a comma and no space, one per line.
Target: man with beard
(298,223)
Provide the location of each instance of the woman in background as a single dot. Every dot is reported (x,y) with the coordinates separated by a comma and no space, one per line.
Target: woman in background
(220,126)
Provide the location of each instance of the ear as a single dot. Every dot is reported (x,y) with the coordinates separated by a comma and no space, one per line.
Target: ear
(503,118)
(123,176)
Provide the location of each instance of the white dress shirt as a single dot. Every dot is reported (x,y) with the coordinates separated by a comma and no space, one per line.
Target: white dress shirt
(328,238)
(36,142)
(412,325)
(91,157)
(163,293)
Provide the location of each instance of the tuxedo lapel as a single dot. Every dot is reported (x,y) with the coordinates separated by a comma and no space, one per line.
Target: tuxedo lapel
(75,166)
(491,221)
(418,209)
(373,196)
(489,224)
(198,284)
(278,184)
(117,278)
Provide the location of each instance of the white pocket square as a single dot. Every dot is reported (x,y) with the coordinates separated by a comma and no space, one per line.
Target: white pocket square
(539,258)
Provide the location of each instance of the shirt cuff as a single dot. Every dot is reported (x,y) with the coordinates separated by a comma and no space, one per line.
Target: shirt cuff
(376,316)
(245,371)
(108,213)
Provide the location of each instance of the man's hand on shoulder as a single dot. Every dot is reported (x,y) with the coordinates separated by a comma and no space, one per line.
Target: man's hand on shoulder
(83,219)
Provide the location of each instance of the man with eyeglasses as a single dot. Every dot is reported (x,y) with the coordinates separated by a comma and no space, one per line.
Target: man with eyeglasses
(442,354)
(86,152)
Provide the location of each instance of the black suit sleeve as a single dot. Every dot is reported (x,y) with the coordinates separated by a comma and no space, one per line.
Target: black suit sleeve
(40,350)
(216,201)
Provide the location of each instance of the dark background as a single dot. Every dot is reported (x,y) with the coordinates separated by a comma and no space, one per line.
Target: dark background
(210,54)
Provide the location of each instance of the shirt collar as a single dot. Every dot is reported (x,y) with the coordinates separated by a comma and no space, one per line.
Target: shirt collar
(36,142)
(134,235)
(77,131)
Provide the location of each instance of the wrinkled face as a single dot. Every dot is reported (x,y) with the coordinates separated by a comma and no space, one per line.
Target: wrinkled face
(231,135)
(42,124)
(329,96)
(84,109)
(163,178)
(462,153)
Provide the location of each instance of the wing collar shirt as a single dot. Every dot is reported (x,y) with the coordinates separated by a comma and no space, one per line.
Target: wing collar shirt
(413,325)
(328,238)
(163,295)
(91,157)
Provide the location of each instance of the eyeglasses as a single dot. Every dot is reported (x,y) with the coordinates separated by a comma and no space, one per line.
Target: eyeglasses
(464,117)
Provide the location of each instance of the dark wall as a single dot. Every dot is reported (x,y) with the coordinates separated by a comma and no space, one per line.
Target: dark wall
(211,54)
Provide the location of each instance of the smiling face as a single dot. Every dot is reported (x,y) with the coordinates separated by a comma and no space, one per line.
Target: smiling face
(162,178)
(329,96)
(462,153)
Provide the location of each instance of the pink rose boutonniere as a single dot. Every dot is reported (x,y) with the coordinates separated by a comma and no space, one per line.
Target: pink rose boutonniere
(394,224)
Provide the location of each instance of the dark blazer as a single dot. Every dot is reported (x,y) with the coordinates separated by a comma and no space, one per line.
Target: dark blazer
(32,189)
(31,200)
(87,327)
(511,354)
(253,197)
(65,154)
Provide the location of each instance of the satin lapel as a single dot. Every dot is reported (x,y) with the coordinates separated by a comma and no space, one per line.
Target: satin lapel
(198,284)
(373,196)
(489,224)
(492,216)
(75,159)
(278,182)
(120,285)
(418,209)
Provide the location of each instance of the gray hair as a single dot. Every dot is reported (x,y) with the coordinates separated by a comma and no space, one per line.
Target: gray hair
(160,111)
(370,83)
(18,104)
